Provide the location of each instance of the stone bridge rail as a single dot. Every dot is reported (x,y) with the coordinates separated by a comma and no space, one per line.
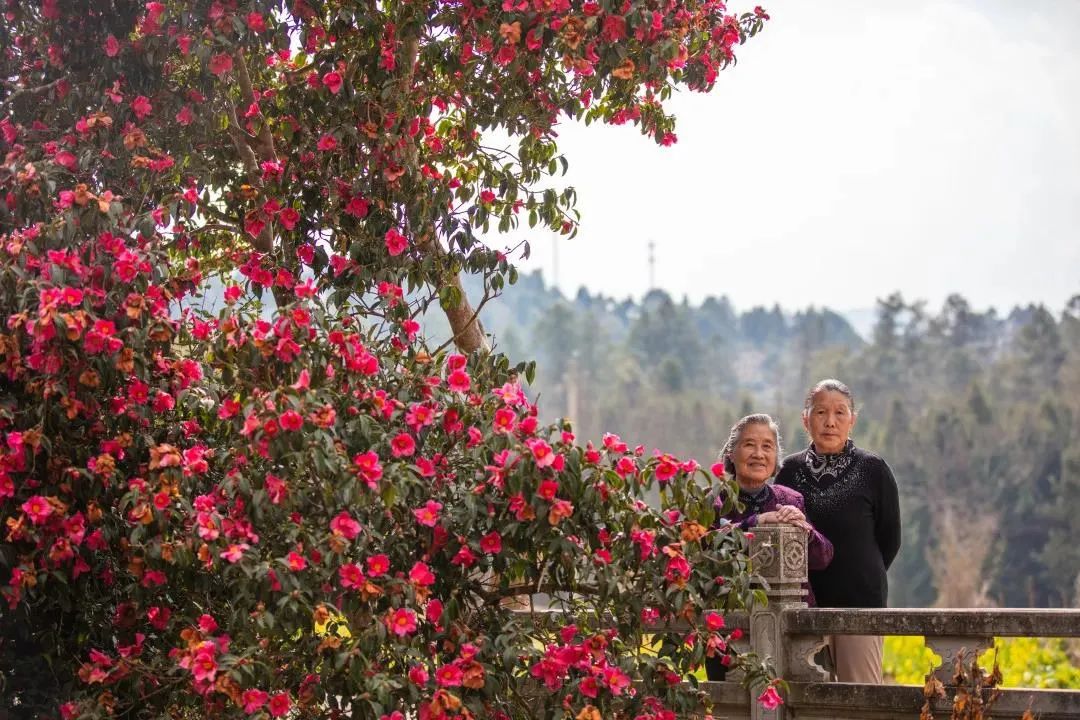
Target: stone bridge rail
(792,635)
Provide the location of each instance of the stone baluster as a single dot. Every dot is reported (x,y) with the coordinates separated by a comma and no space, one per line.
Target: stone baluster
(949,647)
(778,554)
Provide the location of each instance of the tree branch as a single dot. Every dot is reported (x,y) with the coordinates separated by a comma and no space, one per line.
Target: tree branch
(265,145)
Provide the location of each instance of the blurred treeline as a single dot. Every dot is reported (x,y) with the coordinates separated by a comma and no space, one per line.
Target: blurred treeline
(977,412)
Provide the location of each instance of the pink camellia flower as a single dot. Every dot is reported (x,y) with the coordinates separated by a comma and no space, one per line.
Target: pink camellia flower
(38,509)
(401,622)
(221,64)
(616,680)
(396,243)
(455,361)
(377,565)
(448,676)
(233,553)
(542,453)
(254,699)
(291,420)
(344,525)
(141,107)
(421,575)
(505,419)
(491,543)
(204,666)
(589,687)
(326,143)
(402,445)
(714,621)
(351,576)
(280,704)
(459,381)
(296,561)
(770,699)
(112,46)
(332,81)
(428,515)
(368,467)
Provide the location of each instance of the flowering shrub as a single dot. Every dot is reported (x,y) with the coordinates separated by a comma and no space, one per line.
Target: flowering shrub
(296,508)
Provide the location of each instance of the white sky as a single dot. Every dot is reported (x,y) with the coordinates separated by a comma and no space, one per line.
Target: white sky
(859,147)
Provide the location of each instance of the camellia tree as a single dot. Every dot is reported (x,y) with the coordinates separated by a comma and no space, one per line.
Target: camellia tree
(286,503)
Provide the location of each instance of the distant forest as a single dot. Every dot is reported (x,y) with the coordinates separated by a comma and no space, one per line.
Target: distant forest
(978,413)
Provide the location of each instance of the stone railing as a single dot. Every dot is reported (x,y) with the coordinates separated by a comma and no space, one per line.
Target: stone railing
(793,636)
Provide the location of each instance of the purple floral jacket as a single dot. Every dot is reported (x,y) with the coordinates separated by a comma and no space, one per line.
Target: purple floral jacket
(819,551)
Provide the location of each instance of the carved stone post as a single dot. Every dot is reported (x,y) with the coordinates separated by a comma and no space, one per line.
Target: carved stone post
(949,647)
(778,554)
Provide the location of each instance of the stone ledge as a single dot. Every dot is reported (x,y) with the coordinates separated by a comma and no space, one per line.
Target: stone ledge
(912,621)
(904,701)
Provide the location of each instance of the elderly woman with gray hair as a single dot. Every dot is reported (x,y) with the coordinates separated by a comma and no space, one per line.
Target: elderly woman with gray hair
(751,456)
(851,496)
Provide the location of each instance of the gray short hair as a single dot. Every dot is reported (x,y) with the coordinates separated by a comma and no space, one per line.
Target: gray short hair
(736,434)
(828,385)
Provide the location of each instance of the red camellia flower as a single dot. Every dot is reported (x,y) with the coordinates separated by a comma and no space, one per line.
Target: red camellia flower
(280,704)
(332,81)
(291,420)
(221,64)
(254,699)
(402,445)
(448,676)
(112,46)
(377,565)
(491,543)
(421,575)
(459,381)
(396,243)
(327,143)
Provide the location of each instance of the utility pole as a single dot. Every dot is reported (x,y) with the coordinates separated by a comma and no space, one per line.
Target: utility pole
(652,265)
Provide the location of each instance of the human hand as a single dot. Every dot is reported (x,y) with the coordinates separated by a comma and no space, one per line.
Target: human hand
(768,518)
(790,514)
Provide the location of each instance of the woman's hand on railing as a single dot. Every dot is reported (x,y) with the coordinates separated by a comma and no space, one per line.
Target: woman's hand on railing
(785,514)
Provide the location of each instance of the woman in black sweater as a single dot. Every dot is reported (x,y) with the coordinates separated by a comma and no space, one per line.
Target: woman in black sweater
(851,497)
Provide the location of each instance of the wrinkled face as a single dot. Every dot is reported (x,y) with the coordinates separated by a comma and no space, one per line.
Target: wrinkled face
(754,456)
(829,421)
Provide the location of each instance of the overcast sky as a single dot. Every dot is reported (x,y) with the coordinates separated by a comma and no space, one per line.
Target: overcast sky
(859,147)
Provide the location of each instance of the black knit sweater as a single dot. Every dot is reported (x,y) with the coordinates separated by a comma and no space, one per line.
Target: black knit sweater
(859,512)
